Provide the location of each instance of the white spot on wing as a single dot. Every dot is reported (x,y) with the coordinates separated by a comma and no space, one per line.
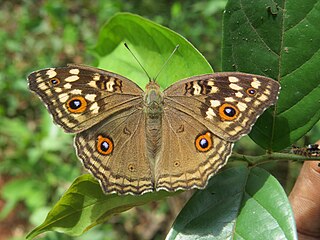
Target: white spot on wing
(210,82)
(92,84)
(58,90)
(235,86)
(96,77)
(74,71)
(229,99)
(263,98)
(94,108)
(76,91)
(214,89)
(236,130)
(255,83)
(210,114)
(67,86)
(51,73)
(215,103)
(63,97)
(110,85)
(72,78)
(197,89)
(239,94)
(267,91)
(233,79)
(42,86)
(242,106)
(90,97)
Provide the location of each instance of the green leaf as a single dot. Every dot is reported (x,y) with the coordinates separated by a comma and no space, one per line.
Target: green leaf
(30,192)
(239,203)
(152,44)
(278,39)
(84,205)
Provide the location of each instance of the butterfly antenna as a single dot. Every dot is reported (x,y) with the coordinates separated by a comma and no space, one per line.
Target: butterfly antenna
(174,50)
(125,44)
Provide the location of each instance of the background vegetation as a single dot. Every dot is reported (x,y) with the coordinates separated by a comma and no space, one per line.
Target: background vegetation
(37,160)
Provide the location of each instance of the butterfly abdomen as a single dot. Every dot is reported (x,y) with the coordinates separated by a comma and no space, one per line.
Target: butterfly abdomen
(153,109)
(153,134)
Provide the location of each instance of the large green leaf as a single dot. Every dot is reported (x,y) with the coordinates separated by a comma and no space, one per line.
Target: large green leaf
(239,203)
(84,206)
(279,39)
(152,44)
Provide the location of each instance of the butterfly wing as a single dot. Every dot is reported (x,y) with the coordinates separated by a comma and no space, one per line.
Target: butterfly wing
(183,163)
(228,104)
(79,97)
(203,116)
(114,151)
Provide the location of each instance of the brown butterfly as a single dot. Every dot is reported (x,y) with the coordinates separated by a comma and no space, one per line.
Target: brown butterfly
(136,141)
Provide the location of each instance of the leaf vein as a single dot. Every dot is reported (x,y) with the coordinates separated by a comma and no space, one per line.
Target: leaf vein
(255,31)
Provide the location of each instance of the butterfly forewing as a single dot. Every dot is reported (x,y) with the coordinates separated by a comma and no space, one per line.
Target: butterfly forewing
(79,96)
(227,103)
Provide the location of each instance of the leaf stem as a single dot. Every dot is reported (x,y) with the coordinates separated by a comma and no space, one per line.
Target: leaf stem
(268,157)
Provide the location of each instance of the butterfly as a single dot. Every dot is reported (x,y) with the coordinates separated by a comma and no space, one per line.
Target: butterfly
(136,141)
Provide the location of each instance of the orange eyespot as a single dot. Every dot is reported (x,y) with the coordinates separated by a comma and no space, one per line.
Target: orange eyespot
(76,104)
(251,91)
(228,112)
(54,81)
(203,142)
(104,145)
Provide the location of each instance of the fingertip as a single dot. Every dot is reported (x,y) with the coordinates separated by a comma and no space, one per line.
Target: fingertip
(305,197)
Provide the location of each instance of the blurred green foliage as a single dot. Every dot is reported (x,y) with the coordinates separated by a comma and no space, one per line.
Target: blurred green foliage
(37,159)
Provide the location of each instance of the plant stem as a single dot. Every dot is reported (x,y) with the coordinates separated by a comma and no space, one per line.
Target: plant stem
(268,157)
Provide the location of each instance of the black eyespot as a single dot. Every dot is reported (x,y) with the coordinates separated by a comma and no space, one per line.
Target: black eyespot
(203,143)
(229,111)
(104,146)
(75,104)
(55,81)
(251,91)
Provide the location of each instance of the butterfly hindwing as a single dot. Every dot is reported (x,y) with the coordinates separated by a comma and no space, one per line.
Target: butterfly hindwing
(114,151)
(191,153)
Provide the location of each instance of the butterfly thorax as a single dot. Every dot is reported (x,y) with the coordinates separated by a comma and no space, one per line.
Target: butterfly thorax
(153,100)
(153,108)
